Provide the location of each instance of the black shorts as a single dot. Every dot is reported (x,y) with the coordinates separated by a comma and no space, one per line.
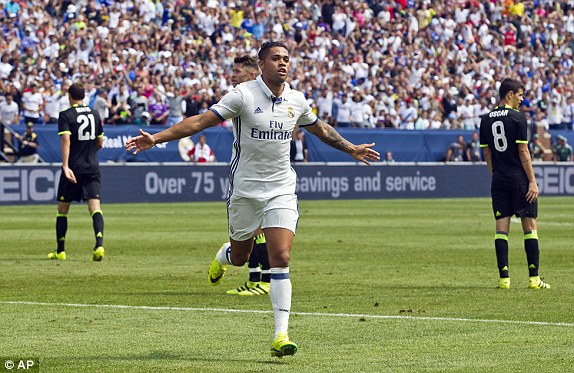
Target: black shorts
(87,187)
(508,201)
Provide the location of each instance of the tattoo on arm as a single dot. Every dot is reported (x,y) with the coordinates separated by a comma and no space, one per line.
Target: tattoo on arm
(332,138)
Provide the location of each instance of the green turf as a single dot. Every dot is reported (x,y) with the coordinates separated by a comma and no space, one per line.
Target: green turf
(423,261)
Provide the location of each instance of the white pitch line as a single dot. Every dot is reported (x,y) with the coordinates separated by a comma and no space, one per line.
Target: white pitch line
(315,314)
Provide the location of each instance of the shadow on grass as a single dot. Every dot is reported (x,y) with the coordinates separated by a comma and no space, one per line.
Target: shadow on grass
(167,356)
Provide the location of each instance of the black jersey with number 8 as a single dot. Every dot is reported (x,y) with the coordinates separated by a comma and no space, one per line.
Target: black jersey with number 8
(502,130)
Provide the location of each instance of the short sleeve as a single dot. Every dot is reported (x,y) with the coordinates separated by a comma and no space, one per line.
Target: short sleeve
(483,137)
(63,125)
(99,126)
(230,105)
(522,134)
(307,117)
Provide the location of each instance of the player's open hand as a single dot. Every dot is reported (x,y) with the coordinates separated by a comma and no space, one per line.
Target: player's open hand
(140,143)
(365,154)
(69,174)
(532,193)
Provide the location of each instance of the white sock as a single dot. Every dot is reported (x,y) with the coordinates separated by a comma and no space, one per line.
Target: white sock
(224,255)
(280,294)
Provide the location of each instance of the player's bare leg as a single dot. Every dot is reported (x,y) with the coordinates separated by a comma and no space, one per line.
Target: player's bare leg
(279,241)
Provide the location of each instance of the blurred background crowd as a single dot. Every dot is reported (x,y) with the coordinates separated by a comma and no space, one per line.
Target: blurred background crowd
(404,64)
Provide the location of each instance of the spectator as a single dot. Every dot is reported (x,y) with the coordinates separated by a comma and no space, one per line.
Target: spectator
(174,105)
(537,150)
(337,47)
(9,112)
(51,107)
(32,104)
(201,152)
(103,105)
(325,105)
(456,150)
(342,111)
(356,117)
(299,148)
(121,113)
(408,115)
(473,149)
(562,150)
(138,104)
(191,104)
(28,145)
(158,111)
(389,158)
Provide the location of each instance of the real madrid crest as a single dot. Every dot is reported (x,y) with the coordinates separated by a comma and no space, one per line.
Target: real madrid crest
(290,112)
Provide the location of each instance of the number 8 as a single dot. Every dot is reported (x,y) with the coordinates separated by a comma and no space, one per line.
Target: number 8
(500,142)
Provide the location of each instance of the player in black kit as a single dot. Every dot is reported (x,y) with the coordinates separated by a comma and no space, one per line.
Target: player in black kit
(503,137)
(81,134)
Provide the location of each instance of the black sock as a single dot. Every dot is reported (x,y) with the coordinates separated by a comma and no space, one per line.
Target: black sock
(261,247)
(98,220)
(254,275)
(61,229)
(532,252)
(501,246)
(264,260)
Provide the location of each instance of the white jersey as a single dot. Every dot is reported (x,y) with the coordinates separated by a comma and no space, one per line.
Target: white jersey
(262,127)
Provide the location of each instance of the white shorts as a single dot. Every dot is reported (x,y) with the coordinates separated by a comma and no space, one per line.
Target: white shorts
(245,215)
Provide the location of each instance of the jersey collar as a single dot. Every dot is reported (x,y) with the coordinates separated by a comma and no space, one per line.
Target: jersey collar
(268,92)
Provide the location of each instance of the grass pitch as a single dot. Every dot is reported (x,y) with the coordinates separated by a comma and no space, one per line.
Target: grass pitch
(378,286)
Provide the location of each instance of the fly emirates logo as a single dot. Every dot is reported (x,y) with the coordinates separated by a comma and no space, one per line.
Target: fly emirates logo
(275,132)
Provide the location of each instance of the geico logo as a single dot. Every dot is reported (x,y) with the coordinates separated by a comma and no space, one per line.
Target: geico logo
(19,185)
(555,180)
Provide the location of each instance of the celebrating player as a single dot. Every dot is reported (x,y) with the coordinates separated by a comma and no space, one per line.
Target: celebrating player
(261,182)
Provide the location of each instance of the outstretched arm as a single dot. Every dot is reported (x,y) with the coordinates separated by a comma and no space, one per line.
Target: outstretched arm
(331,137)
(187,127)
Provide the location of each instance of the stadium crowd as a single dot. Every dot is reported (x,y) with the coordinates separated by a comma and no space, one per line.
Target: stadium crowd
(361,63)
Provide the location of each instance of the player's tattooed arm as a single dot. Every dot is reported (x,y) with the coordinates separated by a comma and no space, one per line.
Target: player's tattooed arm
(331,137)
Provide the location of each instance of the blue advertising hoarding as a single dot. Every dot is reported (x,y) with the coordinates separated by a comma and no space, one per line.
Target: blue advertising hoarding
(145,182)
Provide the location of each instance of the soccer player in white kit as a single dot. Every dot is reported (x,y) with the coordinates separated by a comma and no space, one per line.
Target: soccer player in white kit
(261,192)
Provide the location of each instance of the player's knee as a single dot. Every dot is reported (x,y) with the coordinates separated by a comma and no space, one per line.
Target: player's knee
(279,259)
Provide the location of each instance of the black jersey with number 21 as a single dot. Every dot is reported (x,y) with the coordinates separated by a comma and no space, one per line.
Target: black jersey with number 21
(502,130)
(84,127)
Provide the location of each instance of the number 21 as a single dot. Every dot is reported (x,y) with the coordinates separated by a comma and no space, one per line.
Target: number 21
(85,133)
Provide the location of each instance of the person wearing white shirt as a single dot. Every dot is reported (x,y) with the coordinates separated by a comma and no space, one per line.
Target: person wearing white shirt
(408,114)
(343,116)
(325,104)
(357,111)
(9,112)
(261,191)
(33,103)
(51,109)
